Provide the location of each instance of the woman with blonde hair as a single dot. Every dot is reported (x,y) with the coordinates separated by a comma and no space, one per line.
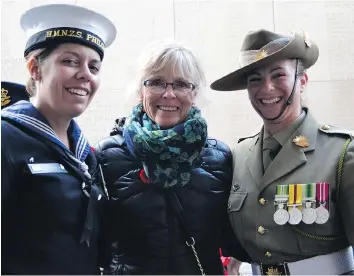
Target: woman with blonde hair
(168,181)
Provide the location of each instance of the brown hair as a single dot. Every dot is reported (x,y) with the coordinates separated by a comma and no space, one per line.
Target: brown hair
(40,55)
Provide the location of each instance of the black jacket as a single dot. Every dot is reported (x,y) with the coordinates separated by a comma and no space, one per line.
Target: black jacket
(43,209)
(144,226)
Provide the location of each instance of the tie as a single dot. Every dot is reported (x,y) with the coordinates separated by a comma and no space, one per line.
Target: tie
(271,147)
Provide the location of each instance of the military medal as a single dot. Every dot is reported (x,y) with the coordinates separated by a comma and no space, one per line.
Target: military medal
(322,215)
(309,214)
(281,215)
(322,199)
(295,216)
(295,201)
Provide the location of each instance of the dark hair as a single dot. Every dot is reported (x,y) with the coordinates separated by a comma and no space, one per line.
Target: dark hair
(40,55)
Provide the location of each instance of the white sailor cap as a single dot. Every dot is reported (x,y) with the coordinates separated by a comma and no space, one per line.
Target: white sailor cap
(61,23)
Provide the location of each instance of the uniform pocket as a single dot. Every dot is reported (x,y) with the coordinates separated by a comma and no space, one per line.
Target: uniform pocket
(236,201)
(235,205)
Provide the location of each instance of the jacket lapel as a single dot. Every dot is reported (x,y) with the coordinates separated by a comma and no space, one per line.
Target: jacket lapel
(292,156)
(254,159)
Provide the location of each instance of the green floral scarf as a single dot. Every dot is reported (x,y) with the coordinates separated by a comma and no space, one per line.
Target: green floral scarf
(167,154)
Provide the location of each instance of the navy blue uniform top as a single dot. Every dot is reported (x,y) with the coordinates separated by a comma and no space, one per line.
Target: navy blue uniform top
(49,223)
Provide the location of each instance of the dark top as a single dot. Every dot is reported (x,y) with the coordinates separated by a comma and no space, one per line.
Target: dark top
(43,207)
(144,226)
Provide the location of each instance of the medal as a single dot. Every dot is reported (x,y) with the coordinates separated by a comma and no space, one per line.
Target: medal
(322,198)
(281,215)
(281,193)
(322,215)
(309,197)
(295,216)
(309,214)
(295,203)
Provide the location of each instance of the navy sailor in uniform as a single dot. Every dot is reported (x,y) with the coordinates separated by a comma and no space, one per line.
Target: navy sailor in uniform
(50,188)
(291,203)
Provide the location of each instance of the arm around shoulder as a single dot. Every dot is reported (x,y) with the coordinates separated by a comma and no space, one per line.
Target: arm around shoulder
(106,154)
(346,193)
(107,143)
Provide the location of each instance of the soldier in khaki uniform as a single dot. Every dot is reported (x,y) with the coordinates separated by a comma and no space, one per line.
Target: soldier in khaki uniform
(292,199)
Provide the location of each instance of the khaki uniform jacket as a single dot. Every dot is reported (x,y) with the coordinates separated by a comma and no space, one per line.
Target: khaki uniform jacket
(251,203)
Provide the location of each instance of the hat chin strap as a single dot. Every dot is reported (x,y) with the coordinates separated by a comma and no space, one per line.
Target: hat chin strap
(287,103)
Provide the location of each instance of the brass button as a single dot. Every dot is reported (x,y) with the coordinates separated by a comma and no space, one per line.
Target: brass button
(261,230)
(268,254)
(262,201)
(326,127)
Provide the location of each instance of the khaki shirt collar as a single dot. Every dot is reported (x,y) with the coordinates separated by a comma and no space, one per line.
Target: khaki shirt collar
(284,135)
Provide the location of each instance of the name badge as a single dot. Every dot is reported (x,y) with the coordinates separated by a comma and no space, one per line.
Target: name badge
(42,168)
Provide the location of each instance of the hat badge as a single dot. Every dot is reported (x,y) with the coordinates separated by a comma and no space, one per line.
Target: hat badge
(307,39)
(5,98)
(301,141)
(261,54)
(273,271)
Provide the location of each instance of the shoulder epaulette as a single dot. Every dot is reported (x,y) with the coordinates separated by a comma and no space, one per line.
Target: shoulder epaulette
(330,129)
(244,138)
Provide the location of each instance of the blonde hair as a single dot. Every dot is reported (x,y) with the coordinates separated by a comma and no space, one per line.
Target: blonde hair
(168,54)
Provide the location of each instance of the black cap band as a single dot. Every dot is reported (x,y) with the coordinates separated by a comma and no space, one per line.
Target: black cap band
(64,35)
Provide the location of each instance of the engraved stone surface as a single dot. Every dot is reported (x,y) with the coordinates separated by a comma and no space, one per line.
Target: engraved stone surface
(214,30)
